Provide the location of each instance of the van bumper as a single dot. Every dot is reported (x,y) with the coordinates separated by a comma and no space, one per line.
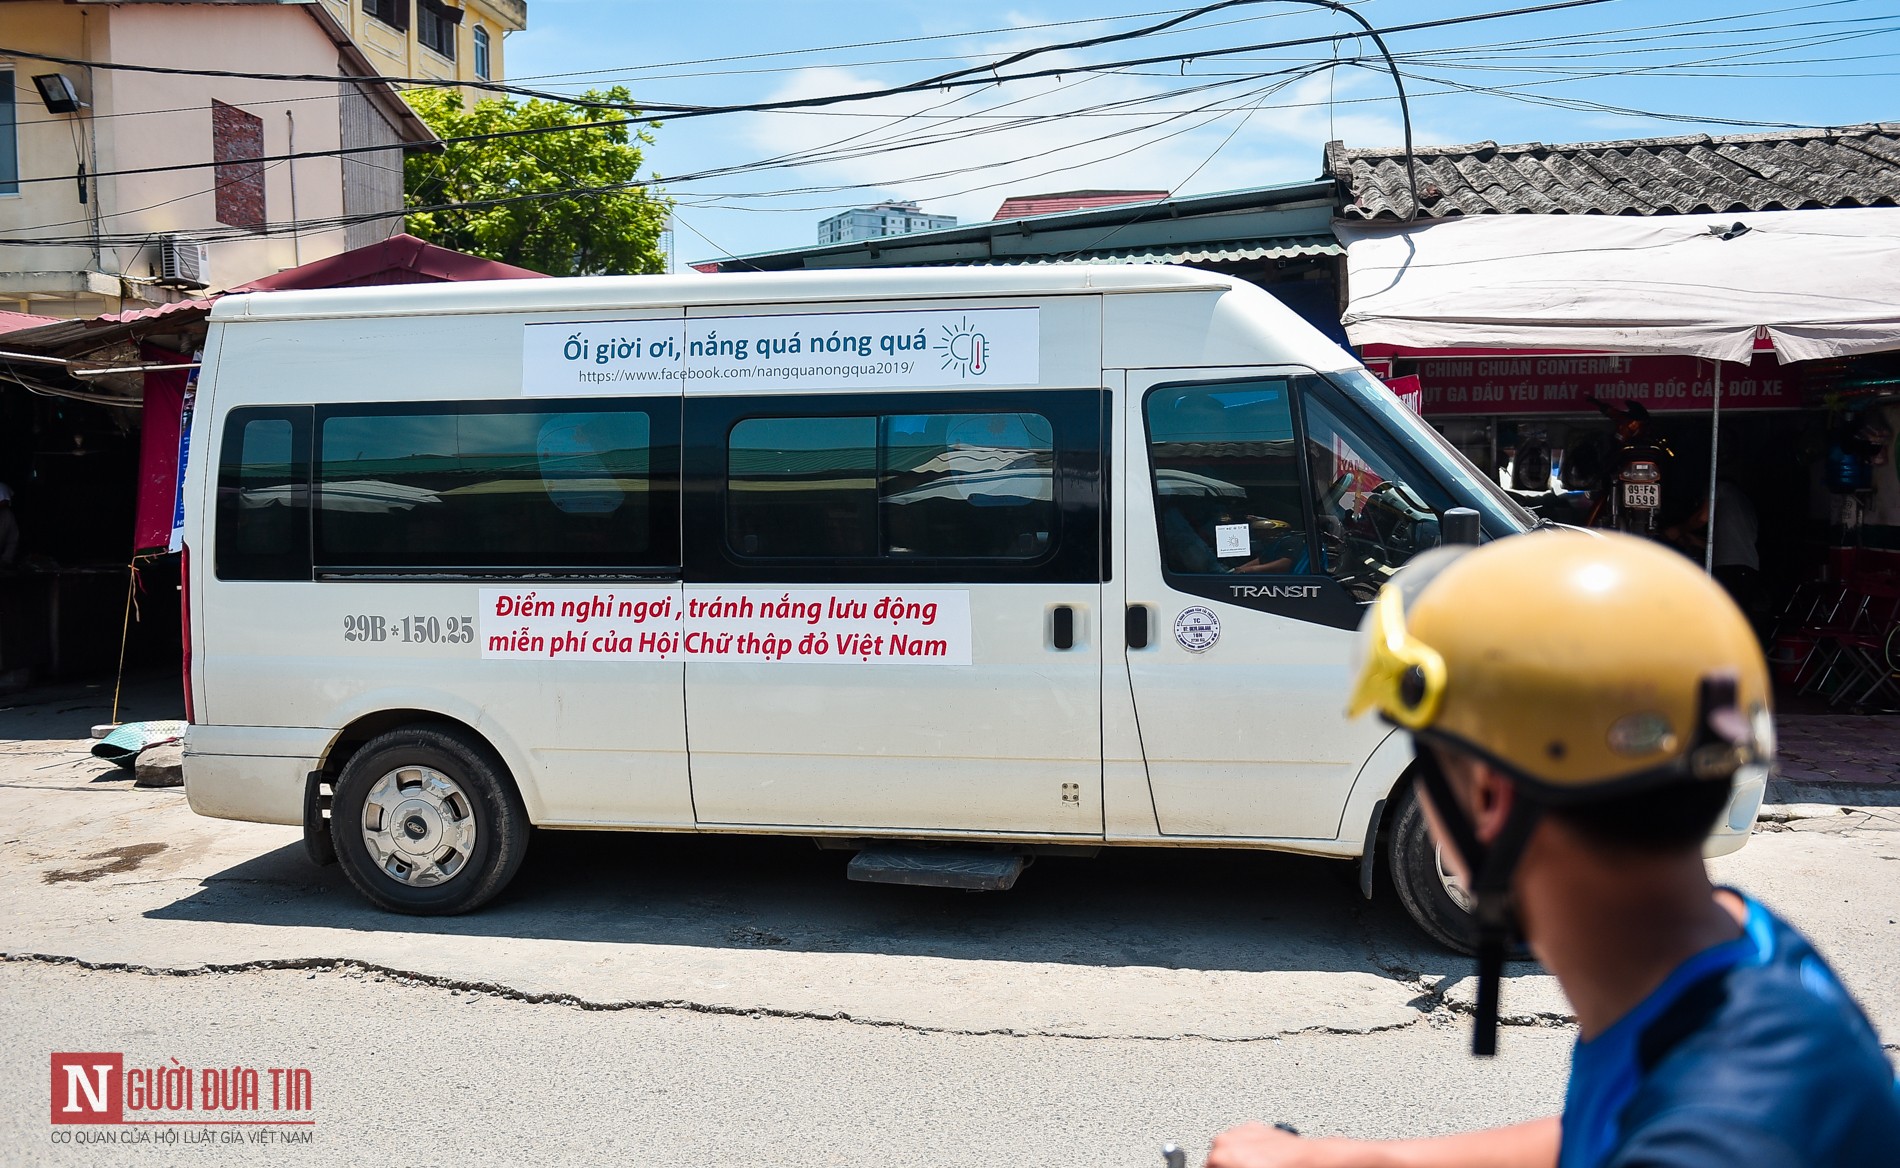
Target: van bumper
(1738,818)
(252,773)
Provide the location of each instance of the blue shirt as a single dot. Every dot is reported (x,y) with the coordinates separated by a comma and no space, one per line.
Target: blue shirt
(1749,1055)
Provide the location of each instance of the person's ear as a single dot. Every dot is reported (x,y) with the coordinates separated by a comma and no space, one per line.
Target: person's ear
(1492,798)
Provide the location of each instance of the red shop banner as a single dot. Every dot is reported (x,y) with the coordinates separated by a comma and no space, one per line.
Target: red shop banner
(1507,383)
(1409,390)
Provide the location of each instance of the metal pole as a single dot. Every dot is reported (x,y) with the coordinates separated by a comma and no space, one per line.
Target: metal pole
(1715,456)
(296,237)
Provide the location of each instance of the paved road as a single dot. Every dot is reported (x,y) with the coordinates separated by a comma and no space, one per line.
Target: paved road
(736,1001)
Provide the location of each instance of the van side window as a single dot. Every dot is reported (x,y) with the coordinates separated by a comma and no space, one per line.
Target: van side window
(975,486)
(1227,479)
(263,502)
(474,488)
(802,487)
(1372,513)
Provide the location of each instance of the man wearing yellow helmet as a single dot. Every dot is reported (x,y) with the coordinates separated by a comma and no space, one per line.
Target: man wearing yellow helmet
(1581,707)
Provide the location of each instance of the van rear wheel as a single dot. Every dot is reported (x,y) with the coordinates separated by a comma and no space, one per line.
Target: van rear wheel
(426,821)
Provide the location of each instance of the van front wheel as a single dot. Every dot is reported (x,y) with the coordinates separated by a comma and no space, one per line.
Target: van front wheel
(1432,896)
(426,822)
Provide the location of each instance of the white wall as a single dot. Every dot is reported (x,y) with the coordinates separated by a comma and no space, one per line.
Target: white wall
(277,39)
(140,120)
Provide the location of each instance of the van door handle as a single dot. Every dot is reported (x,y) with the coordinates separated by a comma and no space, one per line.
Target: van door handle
(1063,627)
(1136,626)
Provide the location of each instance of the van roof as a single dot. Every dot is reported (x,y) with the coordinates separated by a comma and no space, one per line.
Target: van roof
(598,293)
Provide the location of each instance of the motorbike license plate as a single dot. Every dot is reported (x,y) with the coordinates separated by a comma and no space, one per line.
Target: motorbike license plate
(1646,496)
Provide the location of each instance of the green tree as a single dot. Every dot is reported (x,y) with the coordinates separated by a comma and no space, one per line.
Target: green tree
(593,215)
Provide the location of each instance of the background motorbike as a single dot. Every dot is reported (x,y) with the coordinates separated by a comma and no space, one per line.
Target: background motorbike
(1632,495)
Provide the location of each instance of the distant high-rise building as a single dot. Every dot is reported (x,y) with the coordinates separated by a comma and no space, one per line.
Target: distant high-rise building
(882,219)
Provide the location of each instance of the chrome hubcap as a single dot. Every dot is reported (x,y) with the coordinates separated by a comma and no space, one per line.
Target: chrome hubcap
(1454,888)
(419,826)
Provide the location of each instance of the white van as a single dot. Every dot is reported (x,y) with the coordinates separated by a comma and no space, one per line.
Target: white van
(948,567)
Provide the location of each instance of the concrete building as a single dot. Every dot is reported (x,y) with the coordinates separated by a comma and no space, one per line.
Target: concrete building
(452,39)
(875,222)
(121,189)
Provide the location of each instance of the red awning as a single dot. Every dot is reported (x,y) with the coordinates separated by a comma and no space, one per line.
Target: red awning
(1762,345)
(400,259)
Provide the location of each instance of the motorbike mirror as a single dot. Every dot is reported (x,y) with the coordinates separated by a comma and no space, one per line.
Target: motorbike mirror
(1459,525)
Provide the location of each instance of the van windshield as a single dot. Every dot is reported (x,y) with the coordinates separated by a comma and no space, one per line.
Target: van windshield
(1475,489)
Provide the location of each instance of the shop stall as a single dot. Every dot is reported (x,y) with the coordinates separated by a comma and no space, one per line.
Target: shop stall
(1760,352)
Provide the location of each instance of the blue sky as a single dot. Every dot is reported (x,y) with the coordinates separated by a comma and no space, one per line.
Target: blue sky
(1621,69)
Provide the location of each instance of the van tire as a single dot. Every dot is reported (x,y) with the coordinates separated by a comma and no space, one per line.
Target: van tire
(456,799)
(1412,858)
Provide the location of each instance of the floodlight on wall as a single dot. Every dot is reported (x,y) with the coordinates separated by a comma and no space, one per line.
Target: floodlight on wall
(57,93)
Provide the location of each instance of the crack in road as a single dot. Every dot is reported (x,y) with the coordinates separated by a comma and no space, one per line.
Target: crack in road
(496,990)
(1433,999)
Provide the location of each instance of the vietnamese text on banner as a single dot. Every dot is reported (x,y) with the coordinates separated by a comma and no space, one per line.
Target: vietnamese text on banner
(869,350)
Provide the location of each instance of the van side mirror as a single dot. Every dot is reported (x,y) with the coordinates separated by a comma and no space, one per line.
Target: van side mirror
(1459,525)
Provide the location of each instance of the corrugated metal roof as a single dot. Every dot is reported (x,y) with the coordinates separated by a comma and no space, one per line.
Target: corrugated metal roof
(1181,224)
(400,259)
(1850,166)
(82,334)
(15,321)
(1287,247)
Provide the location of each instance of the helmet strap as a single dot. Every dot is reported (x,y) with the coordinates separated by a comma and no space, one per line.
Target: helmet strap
(1496,914)
(1451,814)
(1492,867)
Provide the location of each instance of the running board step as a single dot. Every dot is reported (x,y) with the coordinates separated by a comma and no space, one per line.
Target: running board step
(938,867)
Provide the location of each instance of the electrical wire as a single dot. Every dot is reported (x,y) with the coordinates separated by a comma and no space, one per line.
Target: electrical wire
(1437,57)
(1449,87)
(957,79)
(644,74)
(510,89)
(226,233)
(818,154)
(1488,50)
(639,75)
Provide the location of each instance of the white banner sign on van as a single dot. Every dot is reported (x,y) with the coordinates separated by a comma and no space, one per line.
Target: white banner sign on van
(862,626)
(924,349)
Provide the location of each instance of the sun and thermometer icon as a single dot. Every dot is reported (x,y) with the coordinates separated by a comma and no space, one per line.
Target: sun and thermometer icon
(964,349)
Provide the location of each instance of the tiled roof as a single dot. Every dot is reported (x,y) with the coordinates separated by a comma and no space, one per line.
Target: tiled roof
(1023,206)
(1850,166)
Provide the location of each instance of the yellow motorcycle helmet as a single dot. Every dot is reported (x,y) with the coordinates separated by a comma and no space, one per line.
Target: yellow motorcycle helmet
(1584,665)
(1577,662)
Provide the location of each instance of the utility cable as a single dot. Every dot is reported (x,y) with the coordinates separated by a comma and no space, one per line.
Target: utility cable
(652,112)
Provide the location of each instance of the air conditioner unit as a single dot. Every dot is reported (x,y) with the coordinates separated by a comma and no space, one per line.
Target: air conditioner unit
(182,264)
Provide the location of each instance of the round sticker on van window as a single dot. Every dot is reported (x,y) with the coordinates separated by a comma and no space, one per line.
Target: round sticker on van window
(1197,628)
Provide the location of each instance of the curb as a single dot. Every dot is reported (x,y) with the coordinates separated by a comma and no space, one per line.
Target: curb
(1784,794)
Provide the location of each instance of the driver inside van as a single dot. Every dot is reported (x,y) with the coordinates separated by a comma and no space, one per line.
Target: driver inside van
(1221,457)
(1191,531)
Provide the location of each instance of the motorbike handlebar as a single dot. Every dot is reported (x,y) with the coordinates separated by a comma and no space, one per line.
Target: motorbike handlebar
(1174,1156)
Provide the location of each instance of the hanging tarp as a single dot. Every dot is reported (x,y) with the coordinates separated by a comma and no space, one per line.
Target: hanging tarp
(1821,283)
(158,450)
